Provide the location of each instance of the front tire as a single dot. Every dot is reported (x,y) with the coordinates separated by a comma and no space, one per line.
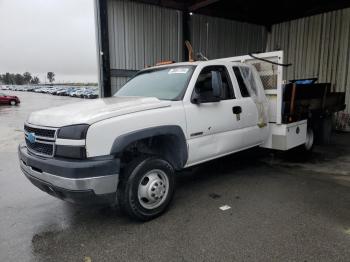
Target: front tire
(146,188)
(13,103)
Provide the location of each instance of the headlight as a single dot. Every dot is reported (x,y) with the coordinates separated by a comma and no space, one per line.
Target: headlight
(77,152)
(73,132)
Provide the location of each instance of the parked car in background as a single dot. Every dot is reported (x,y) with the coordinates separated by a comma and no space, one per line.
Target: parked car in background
(58,90)
(88,92)
(64,91)
(75,93)
(39,90)
(32,88)
(9,100)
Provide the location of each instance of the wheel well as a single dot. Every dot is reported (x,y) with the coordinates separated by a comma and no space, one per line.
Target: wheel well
(168,142)
(166,146)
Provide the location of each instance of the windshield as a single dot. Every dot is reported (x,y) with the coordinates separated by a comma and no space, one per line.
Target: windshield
(164,83)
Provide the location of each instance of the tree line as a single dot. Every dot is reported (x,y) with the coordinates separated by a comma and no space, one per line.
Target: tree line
(23,79)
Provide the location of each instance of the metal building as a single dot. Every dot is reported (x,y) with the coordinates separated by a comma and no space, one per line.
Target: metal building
(315,35)
(317,46)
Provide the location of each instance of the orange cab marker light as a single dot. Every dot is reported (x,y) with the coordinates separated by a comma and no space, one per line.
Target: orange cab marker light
(165,63)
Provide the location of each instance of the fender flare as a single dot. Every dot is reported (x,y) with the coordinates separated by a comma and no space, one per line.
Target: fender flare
(179,152)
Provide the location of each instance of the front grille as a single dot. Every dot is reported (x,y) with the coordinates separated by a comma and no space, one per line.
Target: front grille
(44,144)
(40,148)
(40,131)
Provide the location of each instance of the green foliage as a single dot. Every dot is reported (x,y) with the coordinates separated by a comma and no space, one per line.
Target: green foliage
(51,76)
(35,80)
(27,77)
(18,79)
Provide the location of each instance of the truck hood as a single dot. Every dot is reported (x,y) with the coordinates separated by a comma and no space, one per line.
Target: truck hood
(91,111)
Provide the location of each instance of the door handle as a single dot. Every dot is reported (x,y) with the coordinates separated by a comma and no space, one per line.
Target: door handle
(236,110)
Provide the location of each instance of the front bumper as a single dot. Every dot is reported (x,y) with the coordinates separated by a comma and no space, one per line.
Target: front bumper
(79,181)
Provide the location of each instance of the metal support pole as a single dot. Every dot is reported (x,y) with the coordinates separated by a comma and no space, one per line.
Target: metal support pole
(186,25)
(103,48)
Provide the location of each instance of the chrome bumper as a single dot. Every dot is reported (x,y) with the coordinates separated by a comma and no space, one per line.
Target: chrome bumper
(100,185)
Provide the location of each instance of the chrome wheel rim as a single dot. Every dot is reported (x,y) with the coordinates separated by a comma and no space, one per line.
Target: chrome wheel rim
(153,189)
(309,139)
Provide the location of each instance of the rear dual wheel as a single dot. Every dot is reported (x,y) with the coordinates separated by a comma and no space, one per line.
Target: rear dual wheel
(310,138)
(320,132)
(146,188)
(304,150)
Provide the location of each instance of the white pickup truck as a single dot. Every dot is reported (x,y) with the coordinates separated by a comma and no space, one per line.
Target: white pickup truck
(127,149)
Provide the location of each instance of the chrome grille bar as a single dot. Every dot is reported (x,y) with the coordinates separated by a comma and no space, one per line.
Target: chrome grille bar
(45,138)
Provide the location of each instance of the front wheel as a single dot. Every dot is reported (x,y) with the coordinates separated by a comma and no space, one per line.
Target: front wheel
(13,103)
(146,188)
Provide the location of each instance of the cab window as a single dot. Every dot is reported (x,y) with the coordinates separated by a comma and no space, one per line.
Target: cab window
(204,87)
(242,87)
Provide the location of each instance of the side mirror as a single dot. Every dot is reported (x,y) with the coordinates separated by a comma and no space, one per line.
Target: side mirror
(216,83)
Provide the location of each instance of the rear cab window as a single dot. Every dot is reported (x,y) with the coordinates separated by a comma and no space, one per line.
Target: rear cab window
(242,86)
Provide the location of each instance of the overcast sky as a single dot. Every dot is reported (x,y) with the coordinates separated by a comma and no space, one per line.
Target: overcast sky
(48,35)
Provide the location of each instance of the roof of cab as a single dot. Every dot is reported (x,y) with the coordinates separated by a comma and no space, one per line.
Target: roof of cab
(195,63)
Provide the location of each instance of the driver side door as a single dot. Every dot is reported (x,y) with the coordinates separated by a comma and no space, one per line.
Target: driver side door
(213,128)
